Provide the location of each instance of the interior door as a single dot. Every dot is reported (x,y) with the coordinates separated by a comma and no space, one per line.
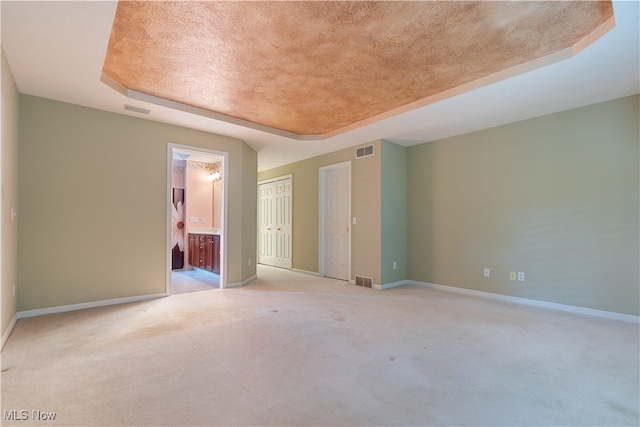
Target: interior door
(336,226)
(283,224)
(275,223)
(266,230)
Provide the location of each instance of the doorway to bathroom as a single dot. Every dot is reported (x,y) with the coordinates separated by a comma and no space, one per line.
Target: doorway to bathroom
(196,219)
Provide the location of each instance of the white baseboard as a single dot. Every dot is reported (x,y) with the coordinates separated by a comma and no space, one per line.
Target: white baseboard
(311,273)
(239,284)
(250,279)
(532,302)
(391,285)
(6,334)
(85,305)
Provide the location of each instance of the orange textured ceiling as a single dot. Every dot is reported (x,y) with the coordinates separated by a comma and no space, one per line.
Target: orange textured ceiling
(315,68)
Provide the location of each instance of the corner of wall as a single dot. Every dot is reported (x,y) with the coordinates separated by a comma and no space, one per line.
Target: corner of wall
(249,211)
(393,229)
(9,113)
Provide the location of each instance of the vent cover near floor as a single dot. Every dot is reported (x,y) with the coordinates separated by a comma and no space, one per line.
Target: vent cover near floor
(365,151)
(367,282)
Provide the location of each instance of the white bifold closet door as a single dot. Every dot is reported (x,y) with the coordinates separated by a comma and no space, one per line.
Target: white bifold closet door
(275,223)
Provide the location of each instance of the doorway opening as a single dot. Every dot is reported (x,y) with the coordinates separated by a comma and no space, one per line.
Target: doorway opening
(197,200)
(334,231)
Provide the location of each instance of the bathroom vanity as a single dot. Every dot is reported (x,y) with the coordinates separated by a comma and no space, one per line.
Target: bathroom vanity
(204,250)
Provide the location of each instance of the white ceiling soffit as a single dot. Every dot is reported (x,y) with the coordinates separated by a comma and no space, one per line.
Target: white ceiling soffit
(56,50)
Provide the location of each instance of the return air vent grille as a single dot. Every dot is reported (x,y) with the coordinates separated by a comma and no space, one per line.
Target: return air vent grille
(367,282)
(365,151)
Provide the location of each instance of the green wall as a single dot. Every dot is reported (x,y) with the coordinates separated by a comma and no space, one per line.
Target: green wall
(556,197)
(365,206)
(93,203)
(9,176)
(394,212)
(249,199)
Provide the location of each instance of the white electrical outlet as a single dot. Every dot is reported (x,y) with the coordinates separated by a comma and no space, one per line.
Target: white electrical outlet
(14,289)
(487,272)
(394,265)
(249,262)
(193,220)
(512,275)
(520,276)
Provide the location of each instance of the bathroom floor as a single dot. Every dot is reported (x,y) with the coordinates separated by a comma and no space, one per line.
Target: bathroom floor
(183,281)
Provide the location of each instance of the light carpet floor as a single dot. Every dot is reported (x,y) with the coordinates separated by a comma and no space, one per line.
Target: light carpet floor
(294,349)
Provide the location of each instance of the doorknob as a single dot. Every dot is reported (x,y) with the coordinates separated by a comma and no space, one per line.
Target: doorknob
(347,228)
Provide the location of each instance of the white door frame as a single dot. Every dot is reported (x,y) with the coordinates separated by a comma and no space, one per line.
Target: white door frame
(268,181)
(225,203)
(280,178)
(321,217)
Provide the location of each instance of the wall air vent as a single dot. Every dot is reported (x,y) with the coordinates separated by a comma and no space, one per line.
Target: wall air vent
(136,109)
(367,282)
(365,151)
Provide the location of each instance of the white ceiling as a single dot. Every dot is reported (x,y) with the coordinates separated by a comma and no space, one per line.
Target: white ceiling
(56,50)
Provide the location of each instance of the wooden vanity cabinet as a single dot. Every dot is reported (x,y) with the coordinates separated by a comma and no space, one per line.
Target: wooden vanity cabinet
(208,253)
(215,246)
(194,250)
(204,252)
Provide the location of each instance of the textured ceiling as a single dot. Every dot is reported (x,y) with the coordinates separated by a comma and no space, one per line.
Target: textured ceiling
(319,68)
